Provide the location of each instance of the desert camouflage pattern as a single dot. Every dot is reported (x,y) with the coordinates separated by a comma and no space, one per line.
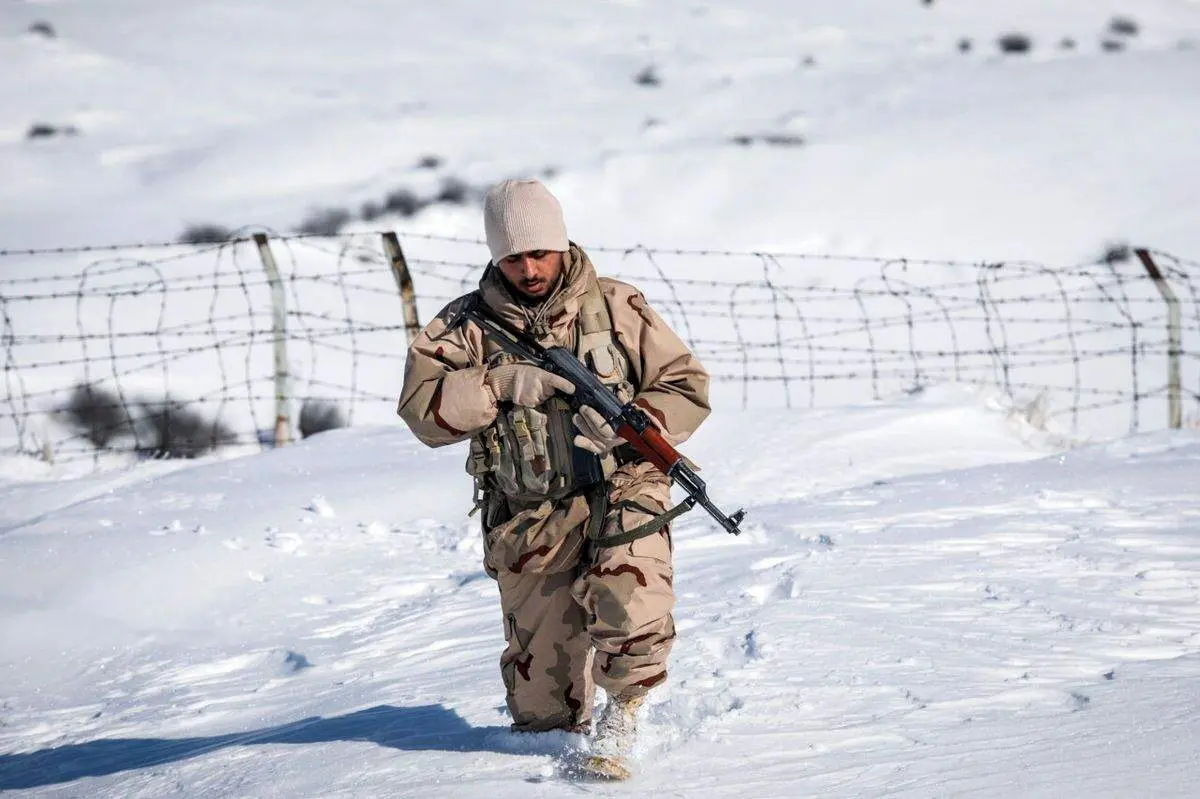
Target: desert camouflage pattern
(627,591)
(575,616)
(443,400)
(561,601)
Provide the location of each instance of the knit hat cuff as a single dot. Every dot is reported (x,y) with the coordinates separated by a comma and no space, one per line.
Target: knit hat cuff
(520,216)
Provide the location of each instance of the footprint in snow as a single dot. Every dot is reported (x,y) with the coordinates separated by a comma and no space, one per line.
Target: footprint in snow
(174,527)
(285,542)
(321,507)
(374,529)
(752,646)
(683,714)
(784,587)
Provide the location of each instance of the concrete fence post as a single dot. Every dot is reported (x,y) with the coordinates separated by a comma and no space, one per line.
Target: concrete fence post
(1174,340)
(283,413)
(408,294)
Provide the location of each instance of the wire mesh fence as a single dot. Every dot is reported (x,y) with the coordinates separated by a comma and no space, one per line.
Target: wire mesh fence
(170,350)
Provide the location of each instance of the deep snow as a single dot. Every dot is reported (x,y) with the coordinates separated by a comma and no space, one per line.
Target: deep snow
(922,605)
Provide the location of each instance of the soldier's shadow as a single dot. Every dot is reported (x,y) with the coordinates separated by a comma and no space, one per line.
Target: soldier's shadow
(424,728)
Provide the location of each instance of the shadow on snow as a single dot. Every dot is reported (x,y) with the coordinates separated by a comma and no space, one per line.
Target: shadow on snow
(425,728)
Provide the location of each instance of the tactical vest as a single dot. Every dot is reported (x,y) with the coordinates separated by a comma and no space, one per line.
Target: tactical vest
(528,454)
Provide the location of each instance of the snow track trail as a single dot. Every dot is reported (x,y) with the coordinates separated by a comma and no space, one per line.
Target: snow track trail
(1002,627)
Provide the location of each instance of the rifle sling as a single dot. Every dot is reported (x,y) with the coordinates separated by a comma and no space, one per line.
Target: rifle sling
(642,530)
(597,497)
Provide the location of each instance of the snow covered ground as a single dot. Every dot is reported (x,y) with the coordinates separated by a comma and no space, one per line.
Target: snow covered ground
(931,598)
(867,130)
(922,605)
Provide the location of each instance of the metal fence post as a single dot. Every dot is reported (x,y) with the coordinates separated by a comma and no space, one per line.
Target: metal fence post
(1174,340)
(279,329)
(408,294)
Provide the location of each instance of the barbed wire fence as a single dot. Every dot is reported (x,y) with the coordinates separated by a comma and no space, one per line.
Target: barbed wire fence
(171,350)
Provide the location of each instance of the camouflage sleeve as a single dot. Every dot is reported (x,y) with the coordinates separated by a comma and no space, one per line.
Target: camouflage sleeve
(671,384)
(444,399)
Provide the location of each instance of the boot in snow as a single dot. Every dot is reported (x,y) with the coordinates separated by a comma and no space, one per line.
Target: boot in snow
(615,735)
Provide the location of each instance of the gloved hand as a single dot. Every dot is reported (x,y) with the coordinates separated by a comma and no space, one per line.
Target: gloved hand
(596,435)
(524,384)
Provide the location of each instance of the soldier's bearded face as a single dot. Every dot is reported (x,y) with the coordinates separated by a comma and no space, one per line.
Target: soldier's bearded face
(533,273)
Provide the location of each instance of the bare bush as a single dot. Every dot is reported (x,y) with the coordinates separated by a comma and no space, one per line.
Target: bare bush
(403,202)
(324,222)
(771,139)
(96,414)
(44,130)
(453,191)
(43,28)
(783,140)
(648,77)
(159,429)
(1014,43)
(1123,26)
(205,233)
(370,211)
(1116,252)
(318,416)
(172,430)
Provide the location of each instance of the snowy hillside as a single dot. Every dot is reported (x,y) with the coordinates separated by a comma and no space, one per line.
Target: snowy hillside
(859,127)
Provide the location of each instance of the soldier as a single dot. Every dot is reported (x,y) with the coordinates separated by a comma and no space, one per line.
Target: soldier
(550,483)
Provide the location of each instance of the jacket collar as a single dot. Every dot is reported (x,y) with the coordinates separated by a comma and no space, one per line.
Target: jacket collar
(554,317)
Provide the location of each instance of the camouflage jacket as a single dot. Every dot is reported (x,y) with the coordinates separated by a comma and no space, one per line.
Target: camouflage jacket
(444,399)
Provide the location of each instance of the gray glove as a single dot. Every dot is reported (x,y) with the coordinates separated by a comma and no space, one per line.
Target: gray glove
(596,435)
(523,384)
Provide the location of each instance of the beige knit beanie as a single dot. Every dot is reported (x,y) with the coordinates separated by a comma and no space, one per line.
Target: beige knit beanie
(522,215)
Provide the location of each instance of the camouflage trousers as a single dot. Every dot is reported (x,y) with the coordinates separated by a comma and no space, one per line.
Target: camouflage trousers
(577,616)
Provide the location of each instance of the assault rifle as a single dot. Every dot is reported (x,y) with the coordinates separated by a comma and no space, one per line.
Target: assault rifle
(629,421)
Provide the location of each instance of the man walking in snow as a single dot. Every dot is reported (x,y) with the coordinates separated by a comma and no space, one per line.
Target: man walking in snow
(550,483)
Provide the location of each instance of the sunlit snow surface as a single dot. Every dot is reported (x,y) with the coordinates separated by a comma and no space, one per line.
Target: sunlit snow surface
(922,604)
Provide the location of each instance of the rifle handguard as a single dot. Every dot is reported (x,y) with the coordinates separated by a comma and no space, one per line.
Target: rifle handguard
(652,446)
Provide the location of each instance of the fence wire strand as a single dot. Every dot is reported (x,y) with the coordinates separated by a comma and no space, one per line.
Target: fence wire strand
(117,344)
